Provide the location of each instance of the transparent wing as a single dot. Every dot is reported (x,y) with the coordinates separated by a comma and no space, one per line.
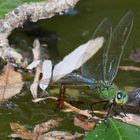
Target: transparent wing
(95,67)
(118,41)
(77,58)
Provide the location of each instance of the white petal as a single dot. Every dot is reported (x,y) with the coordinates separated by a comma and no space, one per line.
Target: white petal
(77,58)
(34,64)
(46,74)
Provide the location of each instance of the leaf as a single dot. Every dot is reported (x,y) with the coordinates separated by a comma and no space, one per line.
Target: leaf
(8,5)
(77,58)
(46,126)
(47,73)
(40,130)
(130,119)
(16,127)
(21,132)
(116,130)
(12,53)
(59,135)
(11,83)
(84,123)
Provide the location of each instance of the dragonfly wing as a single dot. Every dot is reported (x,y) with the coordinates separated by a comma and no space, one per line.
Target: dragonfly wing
(94,68)
(77,58)
(34,64)
(46,74)
(118,41)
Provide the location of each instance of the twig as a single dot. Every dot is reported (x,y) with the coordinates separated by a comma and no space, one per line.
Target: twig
(129,118)
(36,54)
(128,68)
(73,108)
(32,12)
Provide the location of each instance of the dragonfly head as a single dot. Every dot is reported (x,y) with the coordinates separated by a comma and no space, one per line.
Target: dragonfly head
(121,97)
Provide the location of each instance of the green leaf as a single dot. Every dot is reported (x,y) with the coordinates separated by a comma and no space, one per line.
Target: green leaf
(8,5)
(116,130)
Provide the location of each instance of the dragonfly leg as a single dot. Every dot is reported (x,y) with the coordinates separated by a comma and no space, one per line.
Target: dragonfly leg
(109,111)
(118,113)
(106,104)
(60,102)
(123,111)
(115,111)
(92,111)
(95,103)
(106,120)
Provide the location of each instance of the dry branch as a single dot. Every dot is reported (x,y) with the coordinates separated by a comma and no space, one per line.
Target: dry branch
(32,12)
(66,104)
(128,68)
(36,55)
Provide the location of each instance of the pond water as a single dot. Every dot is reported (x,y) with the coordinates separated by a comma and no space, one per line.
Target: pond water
(63,34)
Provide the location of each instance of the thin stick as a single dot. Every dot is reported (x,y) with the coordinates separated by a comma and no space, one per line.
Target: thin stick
(36,55)
(73,108)
(128,68)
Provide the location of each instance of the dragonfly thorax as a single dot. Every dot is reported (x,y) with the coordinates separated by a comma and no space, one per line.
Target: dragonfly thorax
(113,93)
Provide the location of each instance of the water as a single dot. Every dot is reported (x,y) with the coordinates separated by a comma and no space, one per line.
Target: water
(63,34)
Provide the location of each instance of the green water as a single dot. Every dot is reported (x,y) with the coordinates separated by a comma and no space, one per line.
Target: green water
(63,34)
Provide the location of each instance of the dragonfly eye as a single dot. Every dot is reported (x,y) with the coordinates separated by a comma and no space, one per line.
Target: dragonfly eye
(121,98)
(119,95)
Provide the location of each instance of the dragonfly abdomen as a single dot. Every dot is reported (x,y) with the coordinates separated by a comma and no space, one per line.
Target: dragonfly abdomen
(83,79)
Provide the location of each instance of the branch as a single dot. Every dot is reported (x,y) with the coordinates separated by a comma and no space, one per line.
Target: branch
(36,54)
(128,68)
(32,12)
(66,104)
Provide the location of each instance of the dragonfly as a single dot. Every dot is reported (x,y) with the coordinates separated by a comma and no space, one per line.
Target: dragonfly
(98,75)
(101,69)
(50,74)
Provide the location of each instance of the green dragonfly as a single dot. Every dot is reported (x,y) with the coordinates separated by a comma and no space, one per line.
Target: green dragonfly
(99,75)
(99,71)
